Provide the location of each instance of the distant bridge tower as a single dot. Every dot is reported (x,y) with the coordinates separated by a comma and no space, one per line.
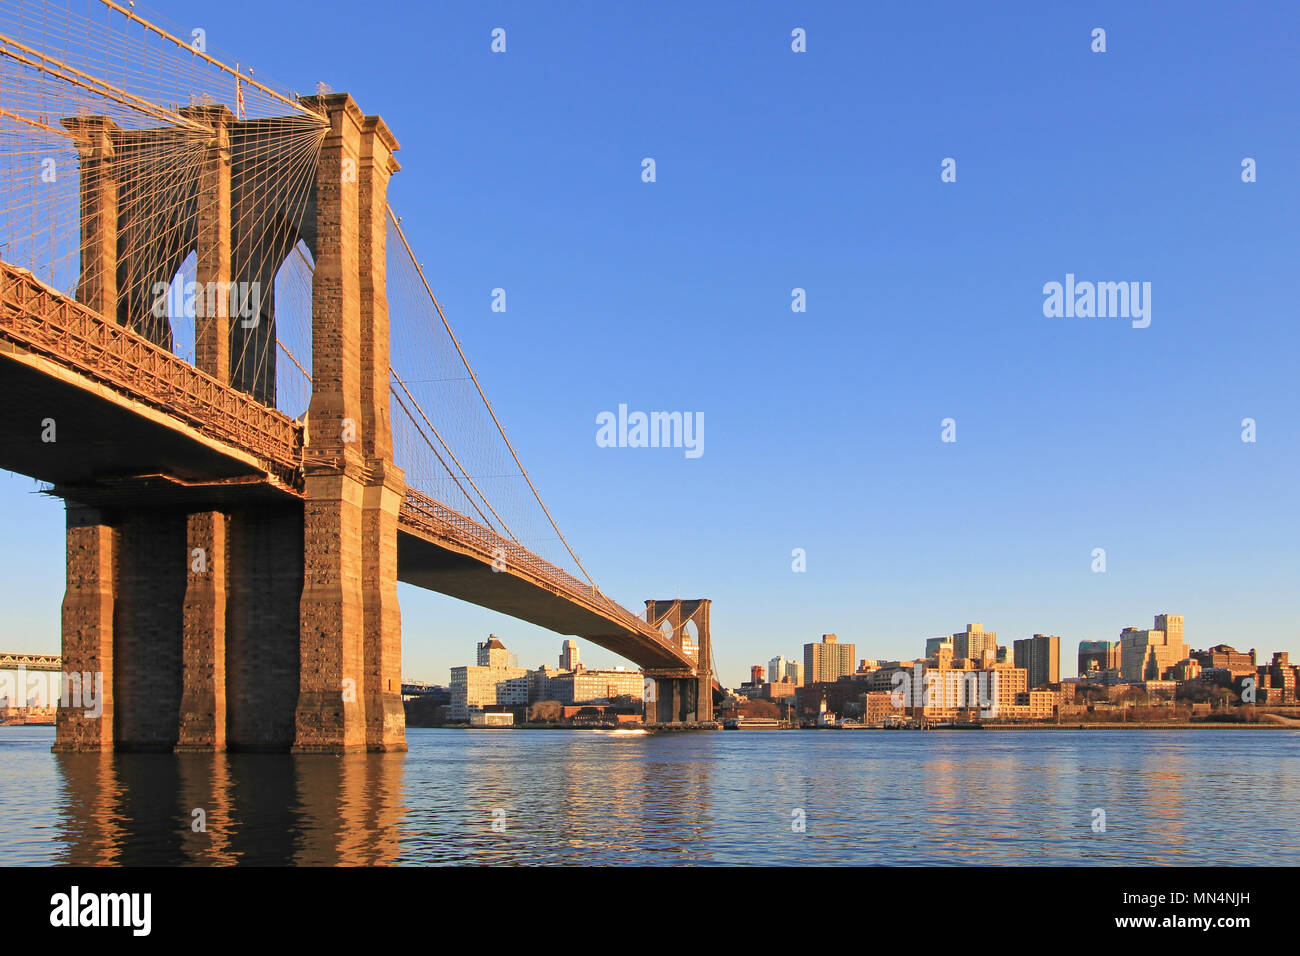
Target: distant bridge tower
(682,696)
(223,613)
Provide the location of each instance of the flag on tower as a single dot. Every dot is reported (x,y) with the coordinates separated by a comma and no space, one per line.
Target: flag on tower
(239,97)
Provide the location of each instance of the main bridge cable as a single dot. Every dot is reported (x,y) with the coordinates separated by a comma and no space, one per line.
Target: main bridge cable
(295,104)
(402,235)
(44,63)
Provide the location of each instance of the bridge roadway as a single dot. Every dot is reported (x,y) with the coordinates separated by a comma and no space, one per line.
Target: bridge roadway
(133,423)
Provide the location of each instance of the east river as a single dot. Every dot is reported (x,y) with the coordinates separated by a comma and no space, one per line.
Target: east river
(1196,797)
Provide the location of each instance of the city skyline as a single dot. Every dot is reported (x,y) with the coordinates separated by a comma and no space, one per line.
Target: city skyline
(423,650)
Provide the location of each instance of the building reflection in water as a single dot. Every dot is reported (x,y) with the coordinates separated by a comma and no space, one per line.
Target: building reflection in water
(581,797)
(260,809)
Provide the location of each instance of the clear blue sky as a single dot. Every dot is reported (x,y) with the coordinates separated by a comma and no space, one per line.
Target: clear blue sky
(821,170)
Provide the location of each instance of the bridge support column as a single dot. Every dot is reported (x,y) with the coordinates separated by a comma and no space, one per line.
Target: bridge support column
(97,284)
(331,683)
(203,638)
(87,634)
(331,713)
(212,327)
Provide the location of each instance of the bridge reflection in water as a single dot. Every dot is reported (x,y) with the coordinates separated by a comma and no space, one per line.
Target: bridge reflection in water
(258,809)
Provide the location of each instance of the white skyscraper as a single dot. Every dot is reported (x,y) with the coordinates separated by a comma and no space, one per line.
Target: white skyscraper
(569,655)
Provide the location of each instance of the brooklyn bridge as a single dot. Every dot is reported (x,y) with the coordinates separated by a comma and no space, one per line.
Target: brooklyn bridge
(219,350)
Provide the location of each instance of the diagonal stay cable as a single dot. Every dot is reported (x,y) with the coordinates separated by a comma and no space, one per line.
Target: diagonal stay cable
(505,527)
(402,235)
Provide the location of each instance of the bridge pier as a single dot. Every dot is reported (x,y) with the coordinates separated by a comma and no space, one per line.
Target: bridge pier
(88,632)
(183,627)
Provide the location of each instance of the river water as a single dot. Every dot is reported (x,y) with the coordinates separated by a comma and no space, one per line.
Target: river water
(783,797)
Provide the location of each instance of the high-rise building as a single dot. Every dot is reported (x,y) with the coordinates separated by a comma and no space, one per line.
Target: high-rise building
(973,642)
(779,668)
(1172,625)
(756,674)
(776,669)
(1040,655)
(569,655)
(1145,654)
(1097,657)
(828,660)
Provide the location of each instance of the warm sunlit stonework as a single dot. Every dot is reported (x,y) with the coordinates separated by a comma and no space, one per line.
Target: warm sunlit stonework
(232,572)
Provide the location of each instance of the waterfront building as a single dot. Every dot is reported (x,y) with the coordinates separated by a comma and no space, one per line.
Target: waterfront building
(1011,681)
(1040,655)
(878,705)
(539,683)
(493,682)
(481,718)
(828,660)
(585,686)
(1037,704)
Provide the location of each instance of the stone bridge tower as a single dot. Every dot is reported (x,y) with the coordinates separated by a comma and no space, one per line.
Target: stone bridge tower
(243,615)
(682,696)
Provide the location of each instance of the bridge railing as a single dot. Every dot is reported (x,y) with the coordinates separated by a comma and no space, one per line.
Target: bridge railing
(439,520)
(42,320)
